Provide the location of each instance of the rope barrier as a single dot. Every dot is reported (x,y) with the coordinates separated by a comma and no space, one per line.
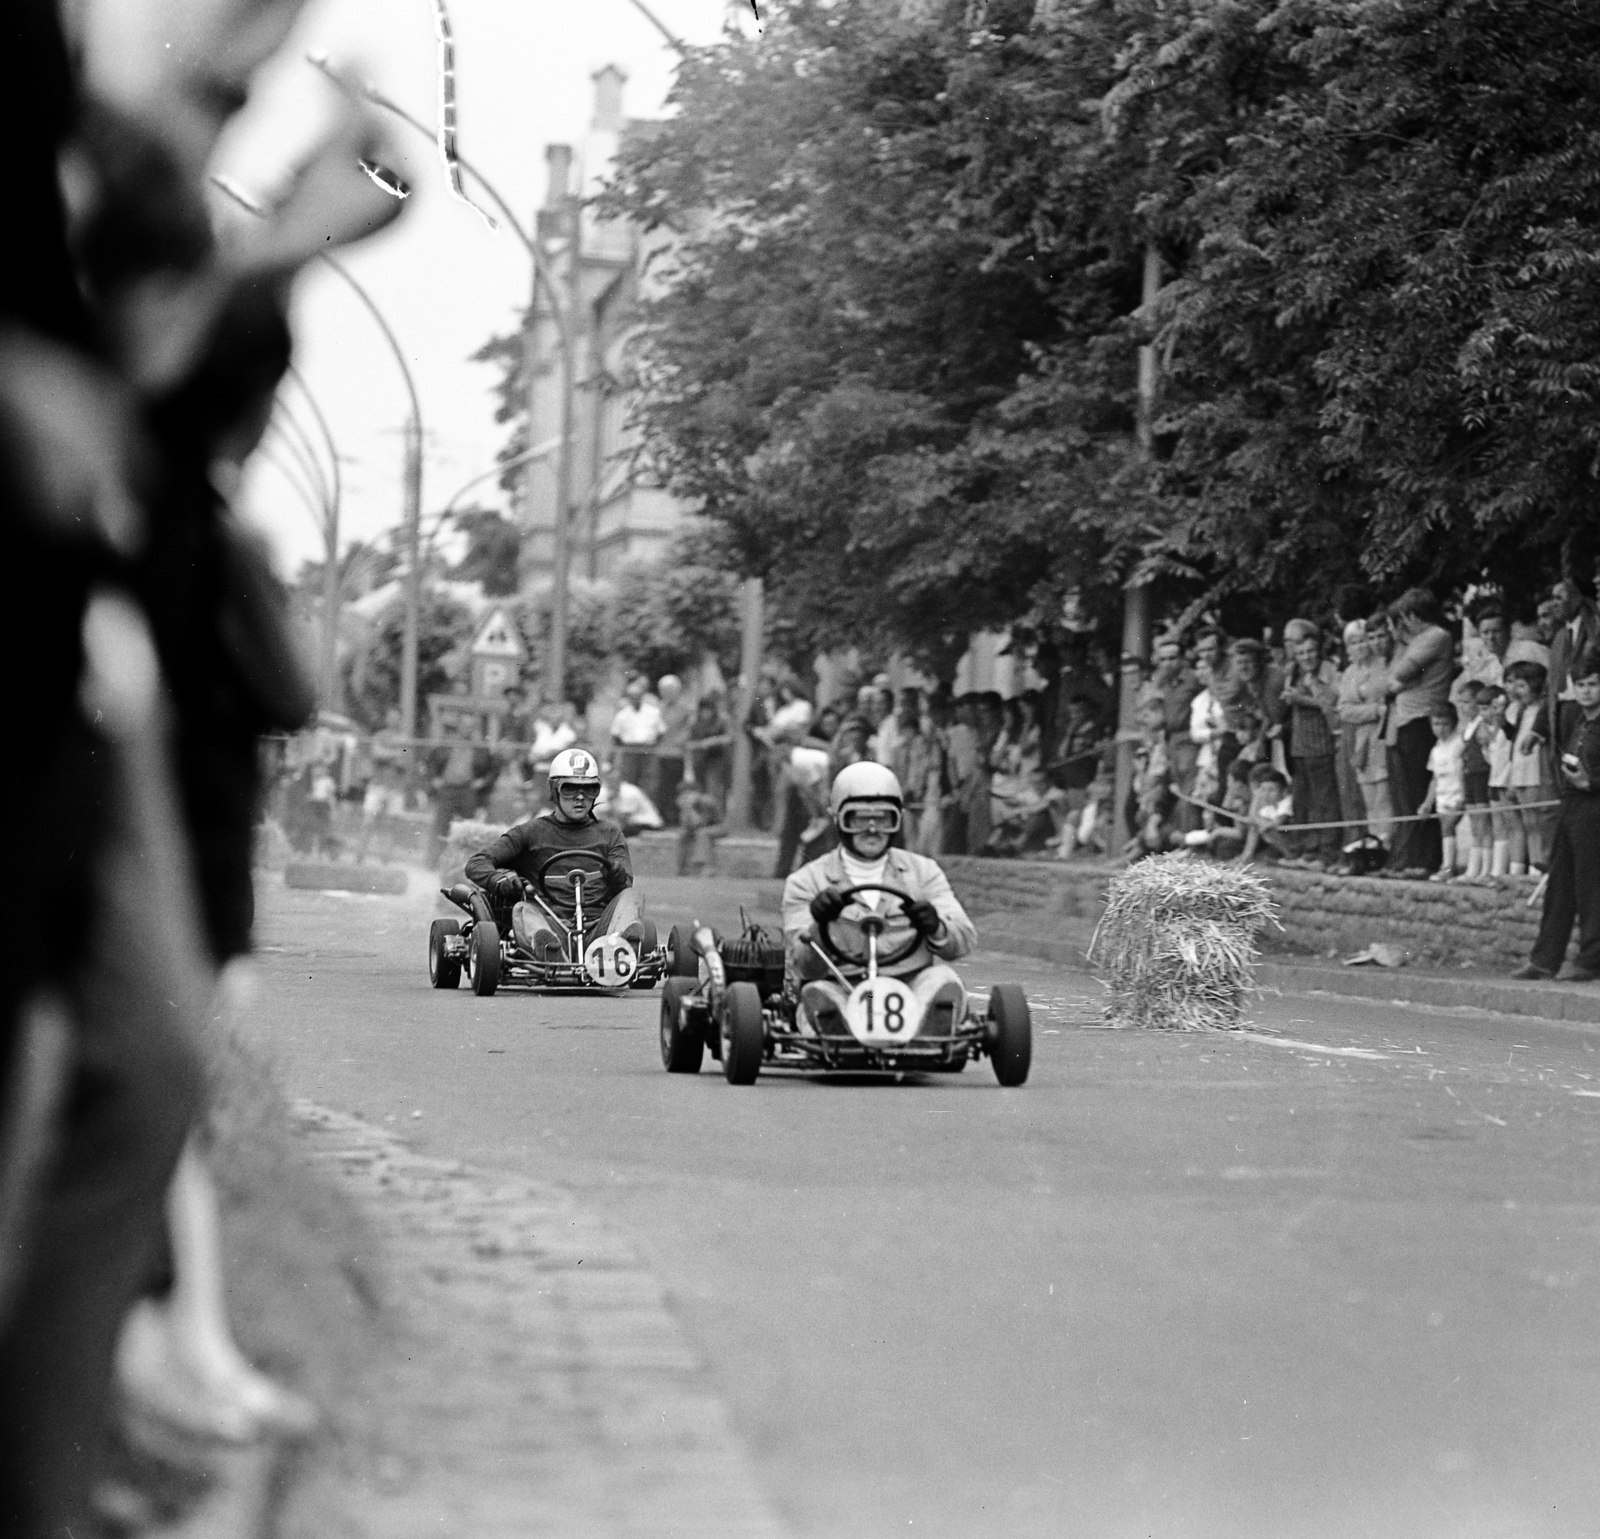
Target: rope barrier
(1244,819)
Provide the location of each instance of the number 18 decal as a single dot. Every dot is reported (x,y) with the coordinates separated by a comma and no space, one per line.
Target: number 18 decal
(881,1011)
(610,961)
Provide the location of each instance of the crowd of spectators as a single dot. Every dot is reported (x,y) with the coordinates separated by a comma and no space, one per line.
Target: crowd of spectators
(1384,739)
(1381,738)
(1378,738)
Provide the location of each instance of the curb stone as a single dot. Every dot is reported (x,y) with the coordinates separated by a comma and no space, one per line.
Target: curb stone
(538,1383)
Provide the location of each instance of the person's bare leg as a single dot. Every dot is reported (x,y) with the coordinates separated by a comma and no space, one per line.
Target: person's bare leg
(176,1356)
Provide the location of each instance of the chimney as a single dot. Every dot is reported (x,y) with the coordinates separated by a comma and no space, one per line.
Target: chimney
(608,83)
(558,158)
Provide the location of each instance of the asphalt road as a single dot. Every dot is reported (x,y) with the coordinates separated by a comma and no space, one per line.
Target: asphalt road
(1338,1279)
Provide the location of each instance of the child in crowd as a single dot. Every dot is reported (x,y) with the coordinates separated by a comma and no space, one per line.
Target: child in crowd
(1271,806)
(1035,814)
(1447,791)
(1530,778)
(1475,734)
(1225,836)
(1152,788)
(1496,740)
(1090,834)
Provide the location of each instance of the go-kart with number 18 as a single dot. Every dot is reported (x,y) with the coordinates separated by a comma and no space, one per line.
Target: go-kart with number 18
(853,984)
(729,997)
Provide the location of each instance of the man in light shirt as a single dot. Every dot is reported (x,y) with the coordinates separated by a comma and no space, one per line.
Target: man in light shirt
(635,730)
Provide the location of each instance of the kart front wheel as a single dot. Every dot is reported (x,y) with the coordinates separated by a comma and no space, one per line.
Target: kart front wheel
(744,1034)
(444,972)
(484,956)
(1010,1034)
(681,1045)
(680,948)
(645,978)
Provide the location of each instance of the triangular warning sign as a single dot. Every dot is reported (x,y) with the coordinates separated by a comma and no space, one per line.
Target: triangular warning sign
(497,638)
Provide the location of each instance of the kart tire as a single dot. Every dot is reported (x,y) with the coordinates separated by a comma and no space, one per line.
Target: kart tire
(645,978)
(443,972)
(485,958)
(1010,1034)
(681,1045)
(744,1034)
(683,962)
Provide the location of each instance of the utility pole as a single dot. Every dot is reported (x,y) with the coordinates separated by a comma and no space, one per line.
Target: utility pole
(752,606)
(559,220)
(1136,596)
(413,538)
(556,681)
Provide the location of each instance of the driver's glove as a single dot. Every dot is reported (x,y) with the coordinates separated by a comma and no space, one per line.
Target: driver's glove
(827,905)
(506,887)
(924,918)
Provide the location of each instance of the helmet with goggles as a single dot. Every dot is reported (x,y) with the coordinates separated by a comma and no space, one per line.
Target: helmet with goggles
(576,768)
(866,797)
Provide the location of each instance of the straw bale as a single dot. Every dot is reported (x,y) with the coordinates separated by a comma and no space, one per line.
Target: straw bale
(1177,942)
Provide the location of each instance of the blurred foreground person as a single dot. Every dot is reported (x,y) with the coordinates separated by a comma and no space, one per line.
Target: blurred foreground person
(137,366)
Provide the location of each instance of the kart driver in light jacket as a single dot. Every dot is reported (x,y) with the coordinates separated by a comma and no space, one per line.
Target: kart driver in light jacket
(566,826)
(867,808)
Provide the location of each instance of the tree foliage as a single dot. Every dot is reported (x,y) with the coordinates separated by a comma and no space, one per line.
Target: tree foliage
(892,348)
(671,614)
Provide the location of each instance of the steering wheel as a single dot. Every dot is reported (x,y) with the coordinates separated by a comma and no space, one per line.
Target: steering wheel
(599,861)
(885,958)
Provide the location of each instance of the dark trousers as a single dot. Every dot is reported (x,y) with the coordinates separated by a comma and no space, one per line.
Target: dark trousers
(1316,800)
(1573,891)
(450,803)
(664,791)
(789,831)
(1416,845)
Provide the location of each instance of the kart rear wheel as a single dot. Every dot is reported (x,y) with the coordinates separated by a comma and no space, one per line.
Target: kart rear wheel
(681,1045)
(443,972)
(744,1033)
(644,979)
(485,958)
(1010,1034)
(680,948)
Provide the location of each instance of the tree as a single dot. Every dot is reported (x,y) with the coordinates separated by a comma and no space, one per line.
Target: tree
(493,543)
(669,614)
(589,652)
(825,334)
(1383,353)
(372,684)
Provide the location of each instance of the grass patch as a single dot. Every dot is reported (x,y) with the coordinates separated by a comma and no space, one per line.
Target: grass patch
(302,1265)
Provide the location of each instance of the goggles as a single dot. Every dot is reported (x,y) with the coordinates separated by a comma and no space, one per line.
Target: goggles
(869,818)
(578,788)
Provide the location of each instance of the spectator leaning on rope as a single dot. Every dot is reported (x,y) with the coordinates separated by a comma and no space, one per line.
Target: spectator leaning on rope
(1419,681)
(1306,706)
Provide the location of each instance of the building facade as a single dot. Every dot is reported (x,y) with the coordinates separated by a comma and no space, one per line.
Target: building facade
(617,517)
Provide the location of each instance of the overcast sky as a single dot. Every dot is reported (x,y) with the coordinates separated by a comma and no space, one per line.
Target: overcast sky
(444,281)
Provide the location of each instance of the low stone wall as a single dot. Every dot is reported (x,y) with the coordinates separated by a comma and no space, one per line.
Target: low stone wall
(1441,924)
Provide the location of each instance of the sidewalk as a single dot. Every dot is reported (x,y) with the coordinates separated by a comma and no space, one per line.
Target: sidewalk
(1064,940)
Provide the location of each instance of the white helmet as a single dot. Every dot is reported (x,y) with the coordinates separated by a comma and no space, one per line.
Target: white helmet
(573,766)
(864,781)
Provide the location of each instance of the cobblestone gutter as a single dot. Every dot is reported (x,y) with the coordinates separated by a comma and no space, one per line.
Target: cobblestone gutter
(537,1383)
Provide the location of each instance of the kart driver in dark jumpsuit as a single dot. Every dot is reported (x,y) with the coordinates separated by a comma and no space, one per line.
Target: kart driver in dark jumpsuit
(568,824)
